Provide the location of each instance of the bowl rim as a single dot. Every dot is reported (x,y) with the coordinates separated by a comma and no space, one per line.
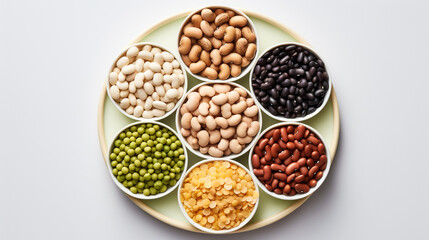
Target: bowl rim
(198,153)
(108,85)
(242,224)
(297,196)
(141,195)
(246,69)
(325,98)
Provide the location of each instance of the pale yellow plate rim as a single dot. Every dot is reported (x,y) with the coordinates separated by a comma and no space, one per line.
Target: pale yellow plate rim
(185,225)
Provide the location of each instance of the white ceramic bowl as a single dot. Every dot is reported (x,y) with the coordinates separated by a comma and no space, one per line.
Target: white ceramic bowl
(141,195)
(198,153)
(211,230)
(245,70)
(298,195)
(297,119)
(185,84)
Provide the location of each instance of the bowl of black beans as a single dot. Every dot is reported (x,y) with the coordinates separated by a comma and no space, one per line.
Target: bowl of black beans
(290,82)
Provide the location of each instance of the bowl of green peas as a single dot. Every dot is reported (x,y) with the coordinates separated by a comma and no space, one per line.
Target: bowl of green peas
(147,160)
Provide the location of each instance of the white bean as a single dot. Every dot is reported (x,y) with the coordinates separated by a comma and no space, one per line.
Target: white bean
(132,52)
(125,103)
(121,77)
(167,56)
(140,103)
(167,86)
(172,93)
(170,106)
(113,78)
(147,114)
(159,105)
(114,92)
(157,79)
(181,91)
(122,85)
(141,94)
(138,80)
(155,67)
(138,111)
(133,99)
(175,64)
(181,79)
(148,75)
(147,48)
(167,67)
(116,70)
(158,112)
(147,87)
(155,96)
(124,93)
(132,87)
(146,66)
(160,90)
(130,110)
(175,82)
(146,55)
(131,77)
(122,62)
(167,78)
(155,50)
(139,65)
(177,71)
(148,103)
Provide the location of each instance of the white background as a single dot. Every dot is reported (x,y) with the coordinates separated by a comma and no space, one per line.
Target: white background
(54,56)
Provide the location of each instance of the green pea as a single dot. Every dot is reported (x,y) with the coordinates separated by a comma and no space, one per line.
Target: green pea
(177,169)
(163,140)
(129,134)
(131,152)
(128,176)
(126,141)
(153,149)
(130,183)
(180,164)
(133,128)
(172,175)
(163,188)
(115,172)
(114,163)
(157,184)
(158,154)
(125,183)
(158,134)
(156,127)
(122,154)
(139,140)
(145,137)
(122,147)
(164,166)
(147,176)
(156,165)
(159,146)
(127,158)
(172,182)
(122,135)
(173,146)
(140,130)
(147,149)
(154,176)
(119,166)
(178,176)
(146,192)
(150,131)
(137,163)
(181,151)
(133,189)
(164,130)
(120,178)
(170,153)
(151,170)
(132,167)
(133,145)
(150,166)
(150,143)
(160,176)
(144,163)
(168,141)
(141,179)
(167,178)
(116,151)
(119,173)
(136,176)
(167,160)
(138,150)
(118,143)
(140,185)
(135,134)
(142,171)
(152,191)
(182,157)
(150,183)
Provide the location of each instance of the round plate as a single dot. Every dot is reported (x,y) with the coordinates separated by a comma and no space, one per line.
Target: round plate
(166,209)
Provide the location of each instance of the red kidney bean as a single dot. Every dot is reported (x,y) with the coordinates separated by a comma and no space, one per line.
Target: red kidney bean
(276,135)
(310,163)
(282,184)
(292,192)
(307,132)
(303,170)
(292,168)
(302,162)
(322,160)
(274,183)
(291,137)
(313,171)
(323,167)
(278,191)
(280,176)
(277,167)
(298,145)
(299,179)
(258,172)
(271,142)
(269,134)
(312,183)
(282,144)
(263,161)
(302,188)
(315,155)
(307,178)
(259,152)
(304,142)
(287,161)
(286,189)
(308,151)
(313,140)
(290,129)
(256,161)
(319,175)
(263,143)
(290,178)
(299,132)
(284,154)
(283,133)
(267,172)
(268,153)
(275,149)
(278,161)
(296,154)
(321,148)
(290,145)
(268,186)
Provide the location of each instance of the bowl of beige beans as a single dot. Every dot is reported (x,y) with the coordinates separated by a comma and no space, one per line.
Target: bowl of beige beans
(218,119)
(146,81)
(217,43)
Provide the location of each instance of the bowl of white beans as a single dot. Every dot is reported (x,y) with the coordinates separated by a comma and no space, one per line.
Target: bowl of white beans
(146,81)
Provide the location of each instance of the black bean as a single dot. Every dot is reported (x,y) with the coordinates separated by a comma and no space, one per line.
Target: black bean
(319,93)
(311,110)
(287,114)
(272,110)
(257,70)
(276,51)
(265,99)
(298,109)
(319,76)
(278,87)
(292,90)
(266,55)
(268,67)
(262,94)
(276,69)
(275,63)
(282,101)
(270,59)
(281,109)
(262,62)
(302,83)
(291,97)
(290,48)
(264,74)
(299,71)
(284,92)
(273,101)
(274,93)
(304,105)
(293,81)
(284,68)
(301,92)
(299,99)
(289,106)
(284,60)
(313,102)
(265,86)
(309,87)
(300,57)
(309,96)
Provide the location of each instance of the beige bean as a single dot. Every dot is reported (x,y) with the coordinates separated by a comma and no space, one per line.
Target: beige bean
(122,62)
(193,133)
(124,93)
(226,110)
(226,49)
(208,15)
(195,124)
(215,152)
(227,133)
(193,32)
(170,106)
(247,120)
(253,129)
(220,31)
(186,60)
(238,21)
(222,88)
(206,28)
(215,67)
(114,92)
(183,109)
(241,91)
(251,111)
(145,55)
(193,101)
(233,96)
(148,104)
(234,58)
(234,120)
(245,62)
(229,34)
(130,110)
(194,54)
(210,123)
(125,103)
(184,45)
(215,57)
(235,70)
(205,44)
(203,108)
(219,11)
(185,121)
(148,87)
(248,34)
(221,122)
(113,78)
(224,71)
(193,142)
(214,136)
(216,43)
(172,93)
(206,91)
(204,150)
(196,19)
(235,146)
(132,87)
(138,111)
(251,50)
(167,67)
(241,46)
(209,73)
(245,140)
(197,67)
(242,129)
(203,138)
(221,19)
(185,132)
(239,107)
(205,57)
(147,114)
(223,144)
(122,85)
(132,52)
(220,99)
(121,77)
(127,70)
(155,50)
(214,109)
(148,75)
